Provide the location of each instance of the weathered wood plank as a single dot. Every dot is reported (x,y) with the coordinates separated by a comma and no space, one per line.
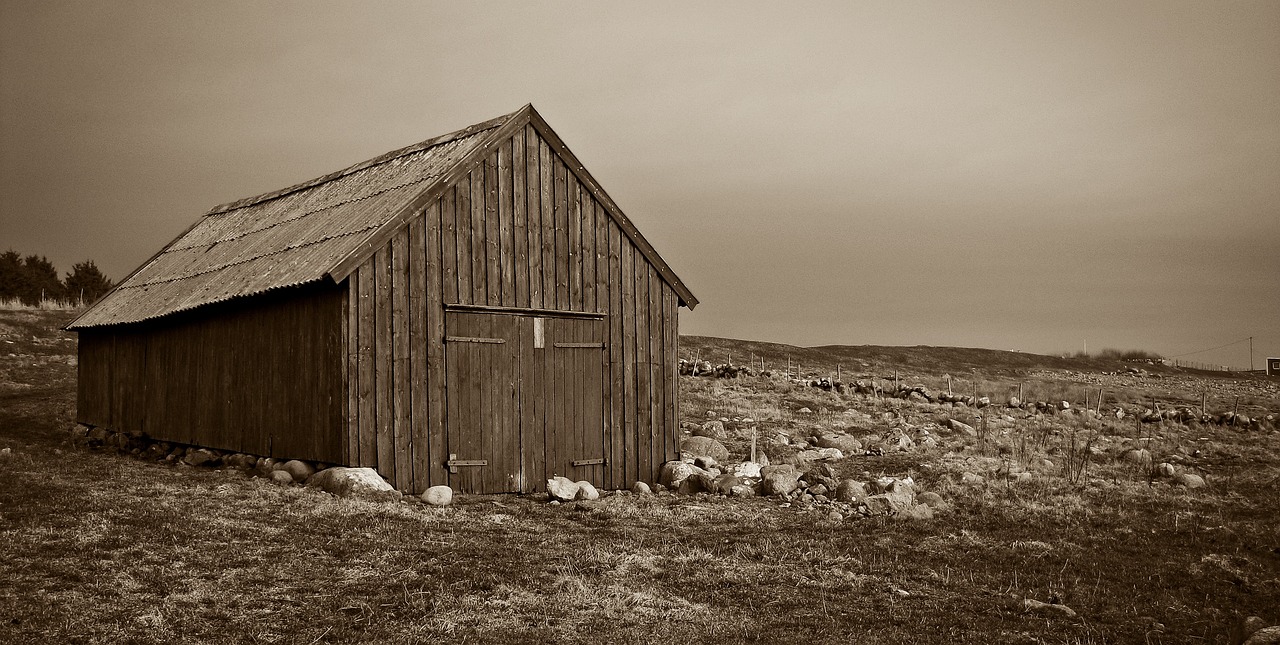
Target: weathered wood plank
(479,238)
(574,209)
(615,400)
(533,207)
(506,226)
(588,273)
(351,375)
(449,251)
(627,312)
(417,376)
(546,196)
(492,234)
(366,279)
(533,436)
(382,366)
(433,339)
(644,373)
(519,221)
(465,263)
(561,208)
(657,399)
(602,258)
(401,379)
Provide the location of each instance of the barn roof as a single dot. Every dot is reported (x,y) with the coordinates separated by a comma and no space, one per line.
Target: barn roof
(321,229)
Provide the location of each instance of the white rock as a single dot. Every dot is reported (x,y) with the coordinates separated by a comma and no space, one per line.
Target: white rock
(641,488)
(438,496)
(746,469)
(1189,480)
(299,470)
(364,483)
(586,491)
(562,489)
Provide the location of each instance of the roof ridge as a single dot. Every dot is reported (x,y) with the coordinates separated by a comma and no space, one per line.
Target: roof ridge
(379,160)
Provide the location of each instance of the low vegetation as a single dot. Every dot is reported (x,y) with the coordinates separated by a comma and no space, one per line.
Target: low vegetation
(107,548)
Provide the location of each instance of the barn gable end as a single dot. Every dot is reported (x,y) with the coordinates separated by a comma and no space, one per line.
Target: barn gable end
(496,321)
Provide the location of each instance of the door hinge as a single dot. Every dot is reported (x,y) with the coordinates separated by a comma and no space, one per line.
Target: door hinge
(454,462)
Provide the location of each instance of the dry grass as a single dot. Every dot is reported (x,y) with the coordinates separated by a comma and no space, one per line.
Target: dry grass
(100,548)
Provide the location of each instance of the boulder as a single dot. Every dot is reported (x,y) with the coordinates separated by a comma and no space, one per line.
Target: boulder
(1047,608)
(743,490)
(704,447)
(712,429)
(779,480)
(438,496)
(850,490)
(961,427)
(641,488)
(914,512)
(299,470)
(676,473)
(1188,480)
(933,500)
(562,489)
(705,463)
(281,477)
(840,441)
(1164,469)
(362,483)
(240,461)
(1015,402)
(724,484)
(821,454)
(880,505)
(971,479)
(1265,636)
(747,469)
(1251,626)
(199,457)
(1138,456)
(586,491)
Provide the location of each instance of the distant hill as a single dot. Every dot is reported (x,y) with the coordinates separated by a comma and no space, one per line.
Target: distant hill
(880,360)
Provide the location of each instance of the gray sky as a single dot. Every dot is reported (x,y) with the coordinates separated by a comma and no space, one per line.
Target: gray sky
(1010,175)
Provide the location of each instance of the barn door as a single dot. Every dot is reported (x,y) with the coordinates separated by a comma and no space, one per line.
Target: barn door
(482,381)
(572,357)
(525,400)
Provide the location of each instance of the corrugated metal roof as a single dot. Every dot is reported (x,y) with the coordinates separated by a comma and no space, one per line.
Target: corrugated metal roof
(281,239)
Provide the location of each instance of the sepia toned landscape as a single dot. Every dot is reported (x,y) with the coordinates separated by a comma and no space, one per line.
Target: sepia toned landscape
(1058,520)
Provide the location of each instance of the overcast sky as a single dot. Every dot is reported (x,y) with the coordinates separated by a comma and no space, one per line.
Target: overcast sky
(1013,175)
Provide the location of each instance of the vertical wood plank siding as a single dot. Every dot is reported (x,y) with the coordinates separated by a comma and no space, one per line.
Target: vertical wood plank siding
(356,373)
(519,230)
(212,377)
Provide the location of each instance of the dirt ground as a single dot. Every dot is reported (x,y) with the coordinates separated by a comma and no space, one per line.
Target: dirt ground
(106,548)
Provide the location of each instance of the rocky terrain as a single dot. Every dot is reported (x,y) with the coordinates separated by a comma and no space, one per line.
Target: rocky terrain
(879,495)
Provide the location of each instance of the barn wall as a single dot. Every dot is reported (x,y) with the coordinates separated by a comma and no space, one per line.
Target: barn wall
(519,231)
(260,375)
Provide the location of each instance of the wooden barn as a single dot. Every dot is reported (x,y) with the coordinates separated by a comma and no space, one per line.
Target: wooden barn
(473,310)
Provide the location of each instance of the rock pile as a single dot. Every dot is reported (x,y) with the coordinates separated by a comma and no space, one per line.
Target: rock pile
(363,483)
(816,486)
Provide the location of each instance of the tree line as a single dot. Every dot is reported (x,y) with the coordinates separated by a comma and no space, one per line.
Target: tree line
(34,280)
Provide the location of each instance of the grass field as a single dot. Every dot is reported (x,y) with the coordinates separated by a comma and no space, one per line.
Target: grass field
(105,548)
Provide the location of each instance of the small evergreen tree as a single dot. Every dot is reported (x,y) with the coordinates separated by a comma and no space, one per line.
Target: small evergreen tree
(12,277)
(41,281)
(85,283)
